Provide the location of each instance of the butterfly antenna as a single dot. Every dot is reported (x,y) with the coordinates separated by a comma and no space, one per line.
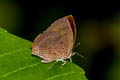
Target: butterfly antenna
(77,52)
(79,55)
(77,45)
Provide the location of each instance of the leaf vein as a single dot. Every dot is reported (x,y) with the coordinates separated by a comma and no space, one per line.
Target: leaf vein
(22,68)
(8,53)
(64,74)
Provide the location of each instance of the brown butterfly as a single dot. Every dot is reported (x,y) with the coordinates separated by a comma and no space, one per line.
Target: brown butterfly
(56,43)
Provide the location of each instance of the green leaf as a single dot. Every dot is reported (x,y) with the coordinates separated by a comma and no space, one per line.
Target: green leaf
(17,63)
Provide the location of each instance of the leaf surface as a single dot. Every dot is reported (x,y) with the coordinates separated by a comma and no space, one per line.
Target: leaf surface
(17,63)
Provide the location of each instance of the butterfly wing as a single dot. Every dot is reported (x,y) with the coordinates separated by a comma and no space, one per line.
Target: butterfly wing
(57,41)
(67,29)
(49,46)
(73,26)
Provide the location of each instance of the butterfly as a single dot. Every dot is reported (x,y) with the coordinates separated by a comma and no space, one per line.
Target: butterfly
(56,43)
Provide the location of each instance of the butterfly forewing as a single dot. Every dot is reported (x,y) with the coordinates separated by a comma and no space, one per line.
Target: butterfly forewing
(66,27)
(73,26)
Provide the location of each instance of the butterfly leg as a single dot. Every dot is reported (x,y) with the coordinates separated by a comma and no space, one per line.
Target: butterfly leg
(47,61)
(52,65)
(70,59)
(64,62)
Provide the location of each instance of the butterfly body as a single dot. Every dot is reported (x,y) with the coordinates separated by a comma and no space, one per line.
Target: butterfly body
(56,43)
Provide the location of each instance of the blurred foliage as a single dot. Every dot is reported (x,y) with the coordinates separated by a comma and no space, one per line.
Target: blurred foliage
(10,16)
(113,71)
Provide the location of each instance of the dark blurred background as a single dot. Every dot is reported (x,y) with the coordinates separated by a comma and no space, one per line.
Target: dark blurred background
(97,23)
